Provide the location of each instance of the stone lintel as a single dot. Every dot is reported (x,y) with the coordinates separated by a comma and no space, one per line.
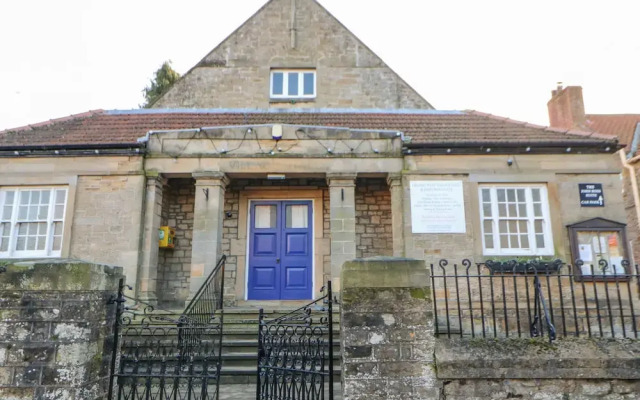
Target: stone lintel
(526,358)
(385,272)
(342,179)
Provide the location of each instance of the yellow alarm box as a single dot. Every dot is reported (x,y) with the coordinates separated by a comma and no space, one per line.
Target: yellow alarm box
(166,237)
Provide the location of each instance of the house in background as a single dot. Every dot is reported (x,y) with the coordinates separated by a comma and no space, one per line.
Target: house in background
(567,111)
(292,148)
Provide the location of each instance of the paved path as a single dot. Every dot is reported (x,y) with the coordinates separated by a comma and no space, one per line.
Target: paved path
(248,392)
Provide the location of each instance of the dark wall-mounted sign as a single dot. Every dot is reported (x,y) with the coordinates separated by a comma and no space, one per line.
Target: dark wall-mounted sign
(591,195)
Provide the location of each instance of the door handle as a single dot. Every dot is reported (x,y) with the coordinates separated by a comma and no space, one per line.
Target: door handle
(278,260)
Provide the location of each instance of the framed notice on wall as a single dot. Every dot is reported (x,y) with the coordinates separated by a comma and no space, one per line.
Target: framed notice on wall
(437,207)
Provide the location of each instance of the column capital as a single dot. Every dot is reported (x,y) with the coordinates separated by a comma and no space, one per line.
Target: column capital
(155,178)
(394,179)
(211,178)
(341,178)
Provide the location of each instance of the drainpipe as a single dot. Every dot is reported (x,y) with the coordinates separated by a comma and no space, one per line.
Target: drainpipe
(634,182)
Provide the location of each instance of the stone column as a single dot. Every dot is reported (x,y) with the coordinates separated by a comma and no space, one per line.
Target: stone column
(397,213)
(387,330)
(148,270)
(343,221)
(207,226)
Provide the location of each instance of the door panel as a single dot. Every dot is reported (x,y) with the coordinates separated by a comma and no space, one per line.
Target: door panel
(280,256)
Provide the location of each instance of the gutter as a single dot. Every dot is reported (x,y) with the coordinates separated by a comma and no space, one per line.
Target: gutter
(97,146)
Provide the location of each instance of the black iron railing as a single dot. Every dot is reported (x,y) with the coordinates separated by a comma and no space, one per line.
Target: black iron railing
(160,354)
(295,353)
(546,300)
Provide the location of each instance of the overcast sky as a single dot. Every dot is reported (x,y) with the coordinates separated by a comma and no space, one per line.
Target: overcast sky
(497,56)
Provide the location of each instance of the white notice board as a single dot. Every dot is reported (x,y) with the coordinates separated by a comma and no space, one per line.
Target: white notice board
(437,207)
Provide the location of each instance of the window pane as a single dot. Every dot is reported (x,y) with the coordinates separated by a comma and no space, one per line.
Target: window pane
(502,210)
(59,212)
(537,210)
(6,212)
(277,86)
(522,227)
(488,241)
(524,241)
(40,243)
(521,195)
(514,242)
(486,209)
(33,212)
(60,196)
(57,228)
(22,229)
(501,195)
(504,241)
(24,197)
(43,212)
(486,195)
(57,243)
(22,212)
(502,226)
(540,241)
(513,226)
(488,227)
(511,194)
(512,210)
(35,197)
(538,225)
(535,193)
(32,229)
(31,243)
(265,217)
(46,196)
(297,216)
(21,243)
(309,78)
(9,197)
(293,83)
(522,210)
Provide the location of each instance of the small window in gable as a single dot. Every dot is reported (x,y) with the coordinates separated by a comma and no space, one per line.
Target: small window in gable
(293,84)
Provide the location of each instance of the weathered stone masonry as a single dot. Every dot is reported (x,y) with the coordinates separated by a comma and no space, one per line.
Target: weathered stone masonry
(56,329)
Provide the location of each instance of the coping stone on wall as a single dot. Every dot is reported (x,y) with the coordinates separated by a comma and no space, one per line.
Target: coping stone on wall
(526,358)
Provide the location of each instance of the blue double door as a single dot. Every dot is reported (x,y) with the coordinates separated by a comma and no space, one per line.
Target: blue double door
(280,250)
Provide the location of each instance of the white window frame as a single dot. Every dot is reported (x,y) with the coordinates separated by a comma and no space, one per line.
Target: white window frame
(548,250)
(50,220)
(285,83)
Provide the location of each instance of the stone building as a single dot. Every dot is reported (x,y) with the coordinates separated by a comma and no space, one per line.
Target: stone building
(567,111)
(292,148)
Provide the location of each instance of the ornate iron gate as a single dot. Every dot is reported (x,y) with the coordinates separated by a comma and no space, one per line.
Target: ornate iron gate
(159,355)
(295,353)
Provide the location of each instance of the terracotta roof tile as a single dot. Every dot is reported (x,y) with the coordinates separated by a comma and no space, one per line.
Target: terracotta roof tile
(425,127)
(621,125)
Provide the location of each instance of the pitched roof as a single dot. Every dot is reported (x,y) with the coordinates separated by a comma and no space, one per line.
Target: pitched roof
(425,127)
(621,125)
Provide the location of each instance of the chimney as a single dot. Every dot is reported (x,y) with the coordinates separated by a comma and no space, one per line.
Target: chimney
(566,108)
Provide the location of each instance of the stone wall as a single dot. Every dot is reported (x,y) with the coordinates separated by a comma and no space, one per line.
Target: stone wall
(633,230)
(174,265)
(236,74)
(107,223)
(531,369)
(387,334)
(56,329)
(374,236)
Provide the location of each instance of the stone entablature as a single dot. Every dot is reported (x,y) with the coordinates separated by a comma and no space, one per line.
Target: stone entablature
(275,140)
